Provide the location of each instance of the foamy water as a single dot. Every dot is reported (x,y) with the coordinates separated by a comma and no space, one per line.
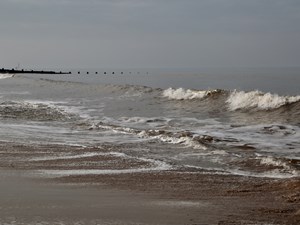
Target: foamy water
(4,76)
(182,94)
(214,128)
(256,99)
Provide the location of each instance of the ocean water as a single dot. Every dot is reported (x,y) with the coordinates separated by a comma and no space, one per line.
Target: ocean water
(229,121)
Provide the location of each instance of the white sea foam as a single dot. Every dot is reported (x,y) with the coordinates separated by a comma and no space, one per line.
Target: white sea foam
(277,174)
(256,99)
(150,121)
(36,104)
(133,119)
(156,164)
(271,161)
(59,173)
(5,75)
(162,135)
(56,105)
(79,156)
(67,109)
(187,141)
(160,166)
(167,137)
(180,204)
(277,169)
(186,94)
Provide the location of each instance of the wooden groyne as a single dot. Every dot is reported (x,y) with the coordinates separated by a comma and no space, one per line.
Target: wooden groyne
(15,71)
(22,71)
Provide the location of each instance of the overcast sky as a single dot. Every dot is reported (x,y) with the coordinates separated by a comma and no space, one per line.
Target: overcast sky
(149,33)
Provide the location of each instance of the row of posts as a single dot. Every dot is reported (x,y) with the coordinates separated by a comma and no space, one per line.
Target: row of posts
(79,72)
(60,72)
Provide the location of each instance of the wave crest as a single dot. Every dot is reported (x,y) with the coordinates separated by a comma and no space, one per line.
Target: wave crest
(188,94)
(255,99)
(185,138)
(6,75)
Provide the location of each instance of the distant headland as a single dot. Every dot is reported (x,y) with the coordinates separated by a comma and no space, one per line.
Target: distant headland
(15,71)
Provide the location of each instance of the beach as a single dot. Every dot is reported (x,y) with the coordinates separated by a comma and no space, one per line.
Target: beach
(151,197)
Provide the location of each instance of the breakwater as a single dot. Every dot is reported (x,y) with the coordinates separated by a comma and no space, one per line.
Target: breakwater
(15,71)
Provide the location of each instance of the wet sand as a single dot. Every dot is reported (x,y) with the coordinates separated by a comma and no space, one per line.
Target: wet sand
(28,202)
(227,199)
(178,196)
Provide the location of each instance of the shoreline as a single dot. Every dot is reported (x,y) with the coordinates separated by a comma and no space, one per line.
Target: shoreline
(235,199)
(154,197)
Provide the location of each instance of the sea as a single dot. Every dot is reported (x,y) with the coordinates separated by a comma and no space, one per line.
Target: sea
(231,121)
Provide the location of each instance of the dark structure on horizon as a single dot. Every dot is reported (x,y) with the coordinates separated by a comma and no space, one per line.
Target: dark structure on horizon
(15,71)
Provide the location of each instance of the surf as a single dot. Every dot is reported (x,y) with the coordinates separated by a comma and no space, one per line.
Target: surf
(239,100)
(235,100)
(6,75)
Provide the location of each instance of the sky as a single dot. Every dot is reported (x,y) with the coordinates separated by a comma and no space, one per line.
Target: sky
(149,33)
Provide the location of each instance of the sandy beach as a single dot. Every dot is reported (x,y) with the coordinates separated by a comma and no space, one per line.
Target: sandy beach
(181,196)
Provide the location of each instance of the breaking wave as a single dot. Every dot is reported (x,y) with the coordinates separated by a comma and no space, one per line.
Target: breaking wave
(279,166)
(185,138)
(187,94)
(235,100)
(33,111)
(5,75)
(259,100)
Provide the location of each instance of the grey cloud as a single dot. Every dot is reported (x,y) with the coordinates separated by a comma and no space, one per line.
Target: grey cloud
(153,32)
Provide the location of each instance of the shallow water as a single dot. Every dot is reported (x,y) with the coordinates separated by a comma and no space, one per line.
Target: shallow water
(243,122)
